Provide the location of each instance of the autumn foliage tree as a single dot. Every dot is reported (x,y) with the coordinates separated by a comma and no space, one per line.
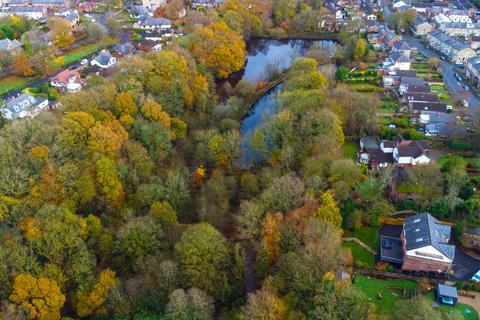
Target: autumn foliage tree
(40,298)
(328,210)
(92,302)
(219,48)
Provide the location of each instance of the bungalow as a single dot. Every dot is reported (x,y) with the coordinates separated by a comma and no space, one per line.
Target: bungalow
(24,106)
(393,78)
(422,27)
(446,294)
(12,46)
(125,49)
(425,243)
(104,60)
(432,117)
(456,50)
(68,80)
(410,97)
(397,152)
(151,23)
(138,11)
(397,61)
(418,106)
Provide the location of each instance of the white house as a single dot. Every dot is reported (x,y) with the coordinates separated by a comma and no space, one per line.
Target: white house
(459,16)
(401,3)
(24,106)
(371,17)
(34,13)
(397,61)
(104,60)
(67,79)
(153,4)
(411,153)
(150,23)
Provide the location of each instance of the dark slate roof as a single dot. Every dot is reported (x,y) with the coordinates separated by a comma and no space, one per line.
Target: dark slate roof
(412,81)
(406,73)
(389,144)
(418,88)
(447,291)
(378,156)
(399,57)
(421,96)
(370,143)
(104,58)
(429,106)
(402,45)
(423,230)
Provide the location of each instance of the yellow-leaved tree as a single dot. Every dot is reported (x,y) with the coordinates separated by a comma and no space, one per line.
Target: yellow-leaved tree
(92,302)
(328,210)
(40,298)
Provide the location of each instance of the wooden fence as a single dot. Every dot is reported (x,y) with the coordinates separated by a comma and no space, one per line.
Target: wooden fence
(392,275)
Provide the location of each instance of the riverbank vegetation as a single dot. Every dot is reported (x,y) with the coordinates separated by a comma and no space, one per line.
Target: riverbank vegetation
(133,200)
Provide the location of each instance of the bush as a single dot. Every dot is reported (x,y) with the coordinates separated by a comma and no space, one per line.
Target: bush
(459,145)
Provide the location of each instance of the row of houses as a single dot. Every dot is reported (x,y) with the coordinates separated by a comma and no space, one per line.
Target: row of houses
(459,52)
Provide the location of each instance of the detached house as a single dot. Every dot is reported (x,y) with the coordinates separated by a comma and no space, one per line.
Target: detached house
(104,60)
(68,80)
(422,27)
(150,23)
(24,106)
(425,243)
(398,152)
(403,47)
(397,61)
(12,46)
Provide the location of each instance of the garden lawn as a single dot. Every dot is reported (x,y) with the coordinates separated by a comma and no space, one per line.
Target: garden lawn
(350,150)
(12,83)
(437,87)
(372,287)
(366,87)
(460,308)
(369,235)
(443,95)
(78,53)
(363,258)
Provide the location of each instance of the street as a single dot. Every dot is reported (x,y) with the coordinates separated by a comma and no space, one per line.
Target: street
(449,70)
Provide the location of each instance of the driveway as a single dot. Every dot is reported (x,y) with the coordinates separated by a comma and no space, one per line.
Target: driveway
(473,302)
(464,266)
(449,70)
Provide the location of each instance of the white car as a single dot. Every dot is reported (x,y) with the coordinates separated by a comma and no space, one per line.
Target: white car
(465,103)
(476,276)
(84,62)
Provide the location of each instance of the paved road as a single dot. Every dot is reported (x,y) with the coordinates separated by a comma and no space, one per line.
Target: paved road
(449,70)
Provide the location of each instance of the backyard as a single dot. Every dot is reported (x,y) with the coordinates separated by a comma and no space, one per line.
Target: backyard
(390,291)
(464,310)
(363,258)
(79,52)
(350,150)
(368,235)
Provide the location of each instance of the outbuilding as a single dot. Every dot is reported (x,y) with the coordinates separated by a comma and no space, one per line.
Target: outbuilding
(446,294)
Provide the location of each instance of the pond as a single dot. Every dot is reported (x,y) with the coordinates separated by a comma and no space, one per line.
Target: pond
(262,53)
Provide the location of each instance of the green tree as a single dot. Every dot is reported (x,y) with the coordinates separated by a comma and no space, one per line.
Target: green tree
(204,259)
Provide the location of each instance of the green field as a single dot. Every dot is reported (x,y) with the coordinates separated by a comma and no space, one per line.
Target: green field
(350,150)
(369,235)
(363,258)
(390,290)
(366,87)
(464,310)
(78,53)
(12,83)
(438,87)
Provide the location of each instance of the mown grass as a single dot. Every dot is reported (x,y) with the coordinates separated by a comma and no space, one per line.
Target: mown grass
(466,311)
(350,150)
(369,235)
(437,87)
(363,258)
(12,83)
(389,291)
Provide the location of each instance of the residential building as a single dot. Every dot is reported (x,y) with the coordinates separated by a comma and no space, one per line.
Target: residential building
(419,106)
(426,244)
(104,60)
(150,23)
(418,88)
(406,82)
(410,97)
(421,7)
(138,11)
(474,42)
(401,3)
(373,26)
(17,3)
(460,29)
(68,80)
(154,4)
(50,4)
(421,27)
(459,16)
(403,47)
(371,17)
(397,61)
(472,69)
(397,152)
(12,46)
(34,13)
(70,15)
(441,18)
(24,106)
(456,50)
(88,6)
(125,49)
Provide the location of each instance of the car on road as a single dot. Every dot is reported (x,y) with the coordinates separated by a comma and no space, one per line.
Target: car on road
(465,103)
(459,84)
(84,62)
(466,87)
(442,57)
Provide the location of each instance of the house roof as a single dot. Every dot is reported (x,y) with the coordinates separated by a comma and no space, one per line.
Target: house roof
(439,117)
(423,230)
(421,96)
(139,10)
(406,73)
(447,40)
(103,58)
(66,75)
(378,156)
(429,106)
(402,45)
(150,21)
(7,44)
(418,88)
(447,291)
(24,97)
(370,142)
(125,48)
(408,81)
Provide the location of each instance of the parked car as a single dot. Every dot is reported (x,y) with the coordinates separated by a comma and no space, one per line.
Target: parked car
(442,57)
(84,62)
(465,103)
(466,87)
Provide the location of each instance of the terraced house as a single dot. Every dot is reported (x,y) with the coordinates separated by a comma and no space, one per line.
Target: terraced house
(456,50)
(472,68)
